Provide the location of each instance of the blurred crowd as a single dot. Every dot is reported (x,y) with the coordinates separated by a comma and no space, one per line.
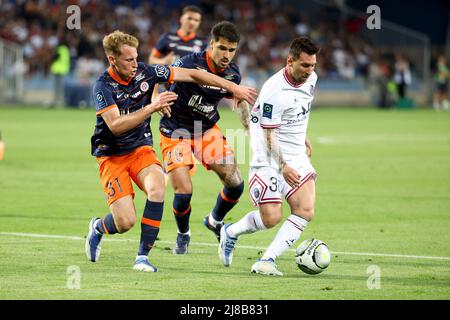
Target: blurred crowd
(268,28)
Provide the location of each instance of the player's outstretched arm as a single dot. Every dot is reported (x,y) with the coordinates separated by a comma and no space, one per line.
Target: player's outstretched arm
(119,124)
(248,94)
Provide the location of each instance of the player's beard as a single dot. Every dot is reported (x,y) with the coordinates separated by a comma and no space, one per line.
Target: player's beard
(301,79)
(224,64)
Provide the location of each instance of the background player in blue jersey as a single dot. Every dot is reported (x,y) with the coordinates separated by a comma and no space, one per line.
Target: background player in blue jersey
(174,45)
(192,131)
(122,140)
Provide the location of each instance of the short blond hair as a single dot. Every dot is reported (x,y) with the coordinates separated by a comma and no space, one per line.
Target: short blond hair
(113,42)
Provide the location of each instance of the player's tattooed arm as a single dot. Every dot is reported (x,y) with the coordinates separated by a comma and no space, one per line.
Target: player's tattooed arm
(273,148)
(244,114)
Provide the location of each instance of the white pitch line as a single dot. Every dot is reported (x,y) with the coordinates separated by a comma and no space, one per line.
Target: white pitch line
(50,236)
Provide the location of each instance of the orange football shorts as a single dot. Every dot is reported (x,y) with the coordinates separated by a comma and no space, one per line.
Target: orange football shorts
(211,148)
(116,172)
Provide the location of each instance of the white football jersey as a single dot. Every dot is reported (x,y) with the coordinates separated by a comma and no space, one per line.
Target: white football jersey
(283,105)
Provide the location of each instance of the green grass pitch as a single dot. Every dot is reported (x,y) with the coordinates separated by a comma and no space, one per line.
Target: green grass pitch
(383,203)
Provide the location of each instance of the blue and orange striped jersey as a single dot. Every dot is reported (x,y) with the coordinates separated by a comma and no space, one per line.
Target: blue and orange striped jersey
(181,46)
(111,92)
(196,106)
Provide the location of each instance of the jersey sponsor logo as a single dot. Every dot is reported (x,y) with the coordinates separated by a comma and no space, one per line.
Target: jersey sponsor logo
(135,95)
(161,71)
(267,110)
(139,77)
(301,116)
(101,101)
(196,103)
(305,111)
(144,86)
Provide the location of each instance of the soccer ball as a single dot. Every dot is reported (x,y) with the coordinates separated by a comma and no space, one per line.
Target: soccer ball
(312,256)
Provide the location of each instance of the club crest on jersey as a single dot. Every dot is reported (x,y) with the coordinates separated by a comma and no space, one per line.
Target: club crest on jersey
(267,110)
(144,86)
(101,101)
(257,193)
(161,71)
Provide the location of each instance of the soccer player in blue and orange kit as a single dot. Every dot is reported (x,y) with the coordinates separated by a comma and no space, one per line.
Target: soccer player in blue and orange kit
(192,131)
(174,45)
(123,144)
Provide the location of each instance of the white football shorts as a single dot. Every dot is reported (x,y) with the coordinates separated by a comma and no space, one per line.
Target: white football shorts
(267,185)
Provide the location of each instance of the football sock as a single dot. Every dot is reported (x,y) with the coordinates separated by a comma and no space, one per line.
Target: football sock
(288,234)
(151,219)
(226,200)
(250,223)
(213,221)
(106,225)
(182,211)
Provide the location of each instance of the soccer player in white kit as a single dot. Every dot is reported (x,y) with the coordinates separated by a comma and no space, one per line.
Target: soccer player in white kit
(280,165)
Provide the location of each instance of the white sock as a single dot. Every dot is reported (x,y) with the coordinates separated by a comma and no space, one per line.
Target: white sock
(141,257)
(188,233)
(250,223)
(288,234)
(213,221)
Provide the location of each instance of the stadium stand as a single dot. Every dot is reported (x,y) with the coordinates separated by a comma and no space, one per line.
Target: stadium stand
(351,63)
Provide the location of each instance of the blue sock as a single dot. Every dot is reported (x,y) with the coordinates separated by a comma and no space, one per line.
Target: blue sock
(182,211)
(106,225)
(226,200)
(151,219)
